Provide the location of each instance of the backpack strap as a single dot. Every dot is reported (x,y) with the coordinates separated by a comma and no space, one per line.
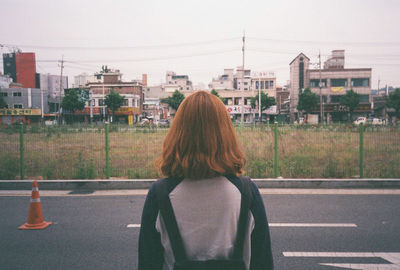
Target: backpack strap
(168,216)
(243,217)
(175,238)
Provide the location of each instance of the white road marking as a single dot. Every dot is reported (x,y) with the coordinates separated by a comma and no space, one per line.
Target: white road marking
(263,191)
(330,225)
(133,226)
(339,225)
(392,257)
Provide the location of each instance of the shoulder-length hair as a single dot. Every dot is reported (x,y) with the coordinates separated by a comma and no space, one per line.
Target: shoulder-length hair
(201,142)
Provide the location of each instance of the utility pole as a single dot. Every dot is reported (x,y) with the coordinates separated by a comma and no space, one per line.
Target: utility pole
(242,108)
(61,88)
(259,99)
(379,80)
(320,90)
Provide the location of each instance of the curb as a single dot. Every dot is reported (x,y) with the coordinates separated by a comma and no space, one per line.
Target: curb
(106,184)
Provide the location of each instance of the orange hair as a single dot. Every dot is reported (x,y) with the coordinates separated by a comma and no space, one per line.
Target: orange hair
(201,142)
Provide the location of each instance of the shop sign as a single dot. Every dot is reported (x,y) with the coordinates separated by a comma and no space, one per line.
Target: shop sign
(127,111)
(237,109)
(86,111)
(337,89)
(366,107)
(12,112)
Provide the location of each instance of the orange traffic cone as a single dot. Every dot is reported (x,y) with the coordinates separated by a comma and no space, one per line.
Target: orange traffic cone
(35,216)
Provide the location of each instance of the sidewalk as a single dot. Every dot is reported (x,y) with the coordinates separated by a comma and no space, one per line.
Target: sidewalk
(121,184)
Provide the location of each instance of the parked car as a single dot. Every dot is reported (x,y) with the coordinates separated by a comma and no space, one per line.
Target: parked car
(360,120)
(375,121)
(163,122)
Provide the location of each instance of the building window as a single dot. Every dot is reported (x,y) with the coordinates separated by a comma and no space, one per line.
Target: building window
(246,83)
(315,83)
(101,102)
(364,98)
(3,94)
(301,75)
(335,99)
(237,100)
(246,89)
(266,85)
(360,82)
(17,106)
(17,94)
(271,84)
(126,102)
(338,82)
(262,84)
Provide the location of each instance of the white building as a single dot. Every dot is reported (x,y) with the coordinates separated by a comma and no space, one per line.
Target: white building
(335,80)
(50,84)
(83,79)
(178,82)
(5,81)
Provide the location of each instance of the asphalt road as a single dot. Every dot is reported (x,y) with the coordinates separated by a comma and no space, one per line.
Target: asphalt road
(307,231)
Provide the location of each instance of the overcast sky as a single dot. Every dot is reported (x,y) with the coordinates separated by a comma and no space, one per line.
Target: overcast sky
(201,38)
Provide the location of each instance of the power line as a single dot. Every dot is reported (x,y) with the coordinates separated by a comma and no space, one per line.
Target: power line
(355,43)
(186,44)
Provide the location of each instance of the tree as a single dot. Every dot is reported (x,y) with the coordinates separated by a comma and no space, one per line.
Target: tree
(351,100)
(215,93)
(175,100)
(393,101)
(72,101)
(113,101)
(307,101)
(266,101)
(3,103)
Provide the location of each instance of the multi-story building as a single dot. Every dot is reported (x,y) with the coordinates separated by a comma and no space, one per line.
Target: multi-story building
(178,82)
(51,84)
(26,105)
(330,82)
(21,67)
(243,84)
(224,81)
(112,81)
(5,81)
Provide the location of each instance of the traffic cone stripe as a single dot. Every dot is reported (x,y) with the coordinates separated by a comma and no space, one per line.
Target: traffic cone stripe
(35,215)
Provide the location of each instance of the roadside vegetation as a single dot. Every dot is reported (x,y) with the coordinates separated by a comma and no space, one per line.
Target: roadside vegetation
(78,152)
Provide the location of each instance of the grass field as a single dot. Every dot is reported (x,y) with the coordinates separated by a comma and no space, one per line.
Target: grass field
(304,152)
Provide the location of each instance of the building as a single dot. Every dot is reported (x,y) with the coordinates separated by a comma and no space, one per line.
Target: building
(26,105)
(132,92)
(244,84)
(5,81)
(223,82)
(51,84)
(335,81)
(177,82)
(21,67)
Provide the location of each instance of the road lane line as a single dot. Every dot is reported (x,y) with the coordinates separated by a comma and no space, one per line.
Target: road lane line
(392,257)
(304,225)
(133,226)
(143,192)
(330,225)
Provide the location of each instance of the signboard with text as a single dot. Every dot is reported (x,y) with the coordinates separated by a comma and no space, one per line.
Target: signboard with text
(22,112)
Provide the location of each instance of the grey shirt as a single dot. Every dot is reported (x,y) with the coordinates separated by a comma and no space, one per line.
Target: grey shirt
(207,212)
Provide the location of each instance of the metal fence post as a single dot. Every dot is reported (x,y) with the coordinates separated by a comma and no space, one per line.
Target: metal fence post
(276,158)
(107,152)
(361,150)
(21,150)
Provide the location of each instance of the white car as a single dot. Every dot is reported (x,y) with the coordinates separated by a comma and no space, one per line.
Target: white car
(376,121)
(360,120)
